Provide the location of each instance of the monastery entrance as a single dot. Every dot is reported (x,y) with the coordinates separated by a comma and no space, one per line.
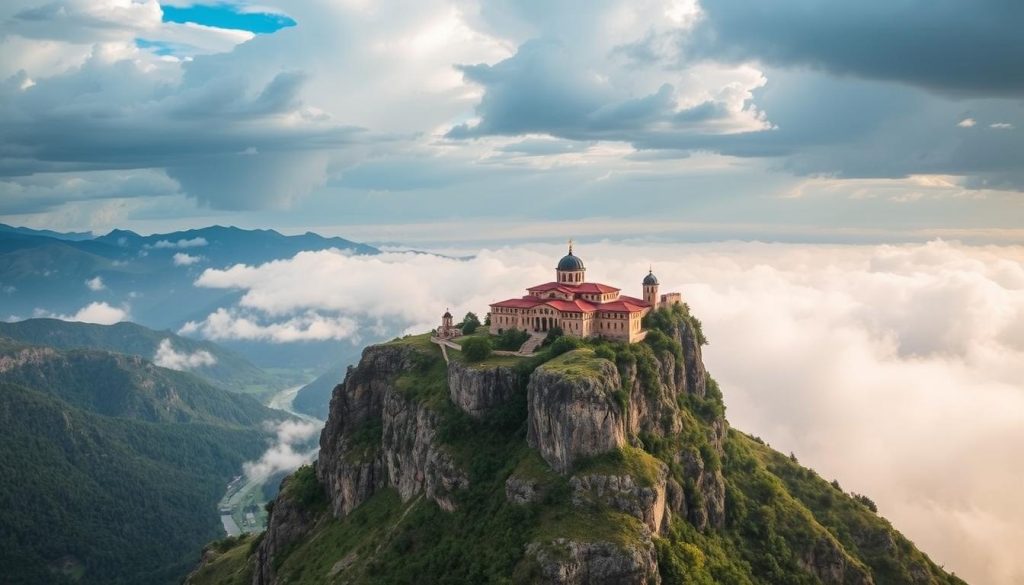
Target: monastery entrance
(543,323)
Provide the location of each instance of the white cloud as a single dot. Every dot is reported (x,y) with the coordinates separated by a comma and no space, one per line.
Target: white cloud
(895,369)
(967,123)
(95,284)
(167,357)
(1001,126)
(195,242)
(100,313)
(183,259)
(286,453)
(235,324)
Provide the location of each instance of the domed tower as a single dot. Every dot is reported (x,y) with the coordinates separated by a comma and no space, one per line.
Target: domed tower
(570,269)
(651,289)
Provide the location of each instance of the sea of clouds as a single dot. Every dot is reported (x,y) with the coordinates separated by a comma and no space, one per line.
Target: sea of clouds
(896,369)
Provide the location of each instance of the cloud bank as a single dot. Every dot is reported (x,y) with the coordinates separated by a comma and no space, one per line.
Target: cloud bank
(167,357)
(288,451)
(895,369)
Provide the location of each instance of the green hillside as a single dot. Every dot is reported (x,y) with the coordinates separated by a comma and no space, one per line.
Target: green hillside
(86,498)
(113,467)
(228,370)
(126,386)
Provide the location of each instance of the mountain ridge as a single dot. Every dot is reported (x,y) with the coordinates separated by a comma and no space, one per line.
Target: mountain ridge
(228,370)
(113,466)
(592,462)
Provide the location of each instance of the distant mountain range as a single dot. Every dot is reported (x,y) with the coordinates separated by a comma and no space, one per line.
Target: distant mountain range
(113,466)
(50,274)
(209,361)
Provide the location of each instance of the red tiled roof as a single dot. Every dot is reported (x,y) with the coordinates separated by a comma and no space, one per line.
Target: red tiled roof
(552,286)
(523,303)
(634,300)
(576,306)
(620,306)
(594,287)
(586,287)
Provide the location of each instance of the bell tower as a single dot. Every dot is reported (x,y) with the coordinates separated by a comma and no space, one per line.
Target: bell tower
(651,289)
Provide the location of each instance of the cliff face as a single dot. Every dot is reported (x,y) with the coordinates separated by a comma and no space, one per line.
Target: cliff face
(596,463)
(377,436)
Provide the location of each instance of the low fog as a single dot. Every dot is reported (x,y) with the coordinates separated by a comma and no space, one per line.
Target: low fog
(895,369)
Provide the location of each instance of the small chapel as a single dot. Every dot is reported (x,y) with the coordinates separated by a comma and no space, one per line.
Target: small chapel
(581,308)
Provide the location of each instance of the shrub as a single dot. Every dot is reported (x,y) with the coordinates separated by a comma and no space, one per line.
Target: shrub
(605,352)
(565,344)
(510,339)
(470,323)
(553,334)
(477,349)
(866,501)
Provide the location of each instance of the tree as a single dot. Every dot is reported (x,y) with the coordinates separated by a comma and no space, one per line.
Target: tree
(477,349)
(470,323)
(553,334)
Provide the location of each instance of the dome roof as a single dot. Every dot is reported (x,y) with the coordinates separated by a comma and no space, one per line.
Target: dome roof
(650,278)
(570,262)
(447,315)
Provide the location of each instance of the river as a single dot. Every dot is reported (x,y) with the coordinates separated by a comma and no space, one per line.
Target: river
(244,492)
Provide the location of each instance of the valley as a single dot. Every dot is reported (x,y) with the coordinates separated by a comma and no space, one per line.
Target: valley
(242,509)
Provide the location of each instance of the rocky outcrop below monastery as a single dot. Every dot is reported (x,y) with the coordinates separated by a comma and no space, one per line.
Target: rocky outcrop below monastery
(597,463)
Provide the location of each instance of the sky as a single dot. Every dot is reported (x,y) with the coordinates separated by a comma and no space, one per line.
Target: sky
(441,121)
(835,188)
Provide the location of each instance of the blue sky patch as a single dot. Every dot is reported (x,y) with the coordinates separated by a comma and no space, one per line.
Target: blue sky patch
(227,16)
(158,47)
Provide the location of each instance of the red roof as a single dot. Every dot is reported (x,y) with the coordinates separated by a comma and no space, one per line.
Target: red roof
(576,306)
(594,287)
(586,287)
(634,300)
(553,286)
(523,303)
(620,306)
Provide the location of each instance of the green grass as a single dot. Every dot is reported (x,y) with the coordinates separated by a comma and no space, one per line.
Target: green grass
(492,361)
(228,563)
(626,460)
(576,364)
(358,534)
(589,525)
(421,342)
(533,467)
(427,382)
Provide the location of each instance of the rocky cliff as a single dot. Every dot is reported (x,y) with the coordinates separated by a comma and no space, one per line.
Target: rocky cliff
(591,462)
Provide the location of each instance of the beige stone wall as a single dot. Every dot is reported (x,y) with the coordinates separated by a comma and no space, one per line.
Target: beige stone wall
(669,299)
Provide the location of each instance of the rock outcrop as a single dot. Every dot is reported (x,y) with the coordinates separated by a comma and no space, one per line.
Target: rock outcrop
(289,523)
(631,445)
(571,562)
(413,460)
(826,560)
(623,493)
(573,415)
(377,437)
(479,391)
(578,411)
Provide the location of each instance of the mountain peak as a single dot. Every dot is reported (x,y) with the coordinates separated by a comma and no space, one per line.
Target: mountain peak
(592,461)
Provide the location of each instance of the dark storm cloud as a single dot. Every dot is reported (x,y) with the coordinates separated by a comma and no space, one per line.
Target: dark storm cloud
(228,144)
(974,47)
